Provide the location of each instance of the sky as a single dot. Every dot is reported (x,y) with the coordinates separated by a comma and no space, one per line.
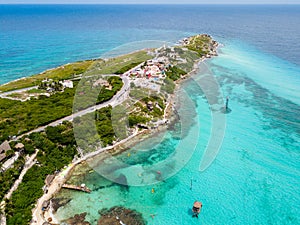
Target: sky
(149,2)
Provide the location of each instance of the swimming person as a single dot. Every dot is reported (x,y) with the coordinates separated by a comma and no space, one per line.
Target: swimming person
(197,208)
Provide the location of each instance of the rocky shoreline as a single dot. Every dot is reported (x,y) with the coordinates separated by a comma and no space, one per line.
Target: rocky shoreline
(114,216)
(123,146)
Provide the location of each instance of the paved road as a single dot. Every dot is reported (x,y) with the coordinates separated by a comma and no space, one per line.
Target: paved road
(37,215)
(116,100)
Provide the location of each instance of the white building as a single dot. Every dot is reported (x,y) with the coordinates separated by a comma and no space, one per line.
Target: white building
(67,83)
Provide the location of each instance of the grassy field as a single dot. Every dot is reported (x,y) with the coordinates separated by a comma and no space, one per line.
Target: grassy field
(90,67)
(63,72)
(114,65)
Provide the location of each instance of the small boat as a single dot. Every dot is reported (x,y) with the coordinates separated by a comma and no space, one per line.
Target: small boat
(197,208)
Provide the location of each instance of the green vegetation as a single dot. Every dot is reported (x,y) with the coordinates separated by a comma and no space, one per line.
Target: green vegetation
(68,71)
(63,72)
(56,150)
(8,177)
(138,93)
(190,58)
(87,94)
(184,58)
(157,103)
(15,95)
(169,86)
(57,145)
(147,109)
(135,120)
(104,125)
(114,65)
(200,44)
(20,117)
(35,91)
(132,85)
(55,85)
(94,129)
(105,94)
(174,73)
(127,67)
(119,121)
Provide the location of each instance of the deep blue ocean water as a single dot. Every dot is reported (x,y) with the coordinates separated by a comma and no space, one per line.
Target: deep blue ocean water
(255,178)
(34,38)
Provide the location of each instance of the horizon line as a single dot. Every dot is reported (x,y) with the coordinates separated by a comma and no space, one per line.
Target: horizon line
(223,4)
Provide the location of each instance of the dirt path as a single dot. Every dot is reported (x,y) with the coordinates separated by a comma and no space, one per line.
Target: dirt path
(38,217)
(28,164)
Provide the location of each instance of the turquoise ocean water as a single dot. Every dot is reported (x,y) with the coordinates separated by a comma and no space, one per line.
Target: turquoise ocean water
(255,178)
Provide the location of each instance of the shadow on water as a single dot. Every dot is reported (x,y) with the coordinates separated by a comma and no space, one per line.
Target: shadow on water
(190,212)
(225,110)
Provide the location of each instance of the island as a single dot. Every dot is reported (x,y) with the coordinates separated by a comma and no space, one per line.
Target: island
(126,97)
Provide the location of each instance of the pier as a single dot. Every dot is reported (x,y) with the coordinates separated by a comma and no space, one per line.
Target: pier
(77,188)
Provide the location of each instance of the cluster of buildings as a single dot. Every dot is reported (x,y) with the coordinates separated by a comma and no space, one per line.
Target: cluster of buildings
(149,69)
(50,86)
(4,154)
(157,67)
(170,54)
(103,83)
(4,147)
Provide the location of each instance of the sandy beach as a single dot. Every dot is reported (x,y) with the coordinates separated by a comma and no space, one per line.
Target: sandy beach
(241,168)
(39,216)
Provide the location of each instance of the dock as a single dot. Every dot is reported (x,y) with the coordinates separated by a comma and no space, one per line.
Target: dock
(77,188)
